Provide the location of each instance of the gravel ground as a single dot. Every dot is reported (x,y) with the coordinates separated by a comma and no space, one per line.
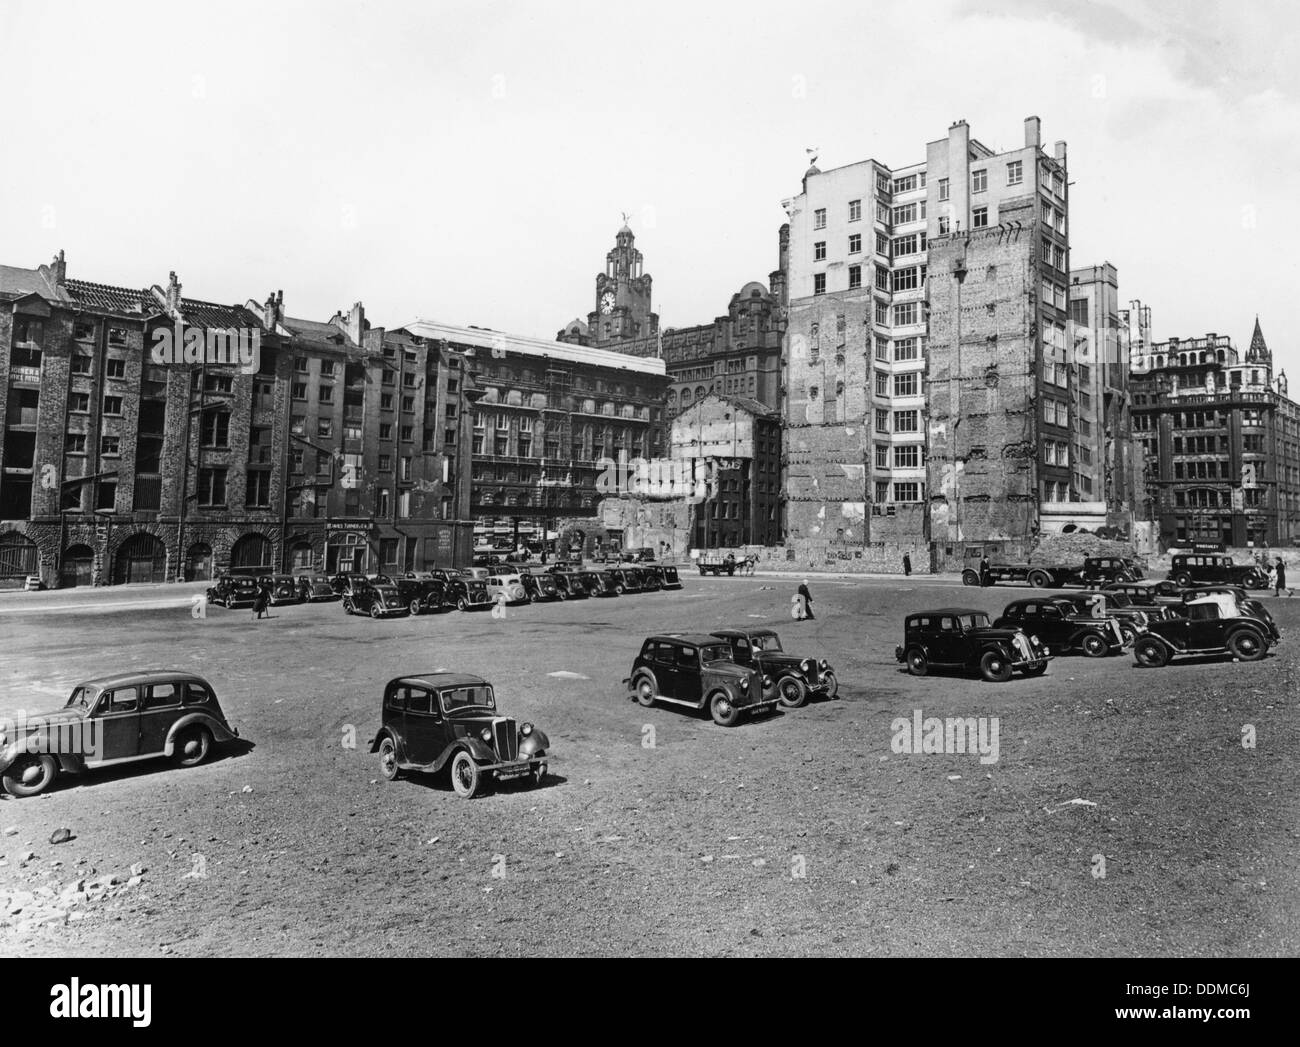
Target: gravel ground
(800,834)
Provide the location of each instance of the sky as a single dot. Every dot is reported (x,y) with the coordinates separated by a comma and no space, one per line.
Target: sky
(470,162)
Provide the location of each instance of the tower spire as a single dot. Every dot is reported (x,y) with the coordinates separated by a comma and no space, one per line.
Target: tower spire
(1258,347)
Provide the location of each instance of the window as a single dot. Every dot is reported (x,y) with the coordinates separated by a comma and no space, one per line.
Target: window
(112,405)
(110,445)
(855,210)
(905,184)
(819,218)
(325,394)
(979,217)
(382,504)
(882,244)
(1015,172)
(943,225)
(882,456)
(115,367)
(979,180)
(943,189)
(907,457)
(117,336)
(79,402)
(855,243)
(855,277)
(882,490)
(882,384)
(82,363)
(882,420)
(257,491)
(216,429)
(298,390)
(882,313)
(882,348)
(327,368)
(906,313)
(819,251)
(906,213)
(408,404)
(905,279)
(905,245)
(819,283)
(906,349)
(212,487)
(906,384)
(406,433)
(74,443)
(385,430)
(907,492)
(906,421)
(882,278)
(300,364)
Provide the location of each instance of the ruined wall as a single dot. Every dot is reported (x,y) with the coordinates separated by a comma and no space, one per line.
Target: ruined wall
(982,384)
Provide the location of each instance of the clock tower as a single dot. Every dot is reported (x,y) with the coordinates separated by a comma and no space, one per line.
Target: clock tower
(622,310)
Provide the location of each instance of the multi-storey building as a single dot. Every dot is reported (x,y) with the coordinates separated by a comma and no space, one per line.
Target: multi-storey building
(927,369)
(740,440)
(549,413)
(1221,442)
(738,354)
(124,463)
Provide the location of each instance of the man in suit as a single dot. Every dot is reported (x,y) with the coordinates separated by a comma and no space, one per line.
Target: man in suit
(805,597)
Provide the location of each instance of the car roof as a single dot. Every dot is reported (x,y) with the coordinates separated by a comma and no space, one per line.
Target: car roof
(756,631)
(439,680)
(694,639)
(143,676)
(949,610)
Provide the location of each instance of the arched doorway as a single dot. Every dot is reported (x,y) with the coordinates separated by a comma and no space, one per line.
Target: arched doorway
(250,552)
(198,563)
(78,566)
(141,558)
(300,558)
(19,557)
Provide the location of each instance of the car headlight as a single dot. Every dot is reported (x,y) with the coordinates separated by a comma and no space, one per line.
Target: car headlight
(767,681)
(824,664)
(526,729)
(1034,640)
(806,665)
(486,735)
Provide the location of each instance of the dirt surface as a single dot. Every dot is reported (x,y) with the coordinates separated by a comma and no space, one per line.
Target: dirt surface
(800,834)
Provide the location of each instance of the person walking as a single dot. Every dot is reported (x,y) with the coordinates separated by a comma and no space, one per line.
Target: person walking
(1279,583)
(907,565)
(806,599)
(984,570)
(261,602)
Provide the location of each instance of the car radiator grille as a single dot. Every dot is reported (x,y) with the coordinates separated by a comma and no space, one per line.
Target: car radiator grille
(506,737)
(1022,646)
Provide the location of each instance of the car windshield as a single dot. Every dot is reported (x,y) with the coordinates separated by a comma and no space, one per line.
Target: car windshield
(82,698)
(1118,599)
(766,643)
(479,697)
(974,621)
(720,652)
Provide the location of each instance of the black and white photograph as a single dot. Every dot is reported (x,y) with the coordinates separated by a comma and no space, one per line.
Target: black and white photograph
(486,479)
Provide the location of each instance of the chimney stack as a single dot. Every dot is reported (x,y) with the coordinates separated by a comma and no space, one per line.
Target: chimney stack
(1033,132)
(173,293)
(60,269)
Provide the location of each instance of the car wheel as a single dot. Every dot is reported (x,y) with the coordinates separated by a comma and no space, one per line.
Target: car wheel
(995,667)
(969,577)
(701,572)
(1128,632)
(465,777)
(1035,670)
(375,612)
(462,604)
(917,663)
(539,774)
(414,608)
(618,590)
(1184,580)
(30,774)
(645,691)
(832,684)
(793,691)
(347,606)
(563,595)
(1094,645)
(1151,653)
(723,710)
(191,746)
(1247,645)
(388,759)
(1039,579)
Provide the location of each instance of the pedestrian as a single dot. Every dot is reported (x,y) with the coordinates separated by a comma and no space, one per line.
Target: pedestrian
(1280,581)
(261,602)
(805,598)
(1272,577)
(984,570)
(907,565)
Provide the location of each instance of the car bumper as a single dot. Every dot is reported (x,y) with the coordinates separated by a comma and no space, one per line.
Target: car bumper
(509,769)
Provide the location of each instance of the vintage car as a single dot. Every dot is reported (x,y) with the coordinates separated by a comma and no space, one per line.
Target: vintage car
(341,582)
(233,591)
(1098,570)
(1058,623)
(431,722)
(1132,619)
(1207,625)
(569,584)
(487,561)
(280,588)
(961,638)
(313,588)
(377,599)
(697,671)
(668,578)
(112,720)
(1188,570)
(423,593)
(540,586)
(466,592)
(602,583)
(506,588)
(640,554)
(480,573)
(1146,593)
(625,579)
(793,679)
(646,579)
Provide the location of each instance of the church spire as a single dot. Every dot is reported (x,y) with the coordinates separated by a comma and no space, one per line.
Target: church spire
(1258,350)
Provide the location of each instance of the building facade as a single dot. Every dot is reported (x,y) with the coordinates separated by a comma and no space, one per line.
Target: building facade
(1220,440)
(928,393)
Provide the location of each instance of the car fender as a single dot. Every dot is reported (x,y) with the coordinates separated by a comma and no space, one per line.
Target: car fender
(1249,627)
(477,750)
(388,732)
(637,674)
(220,732)
(535,743)
(1164,641)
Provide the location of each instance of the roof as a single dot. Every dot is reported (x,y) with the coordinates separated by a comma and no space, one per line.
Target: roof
(141,676)
(17,281)
(215,315)
(440,680)
(949,610)
(317,329)
(698,639)
(112,298)
(757,630)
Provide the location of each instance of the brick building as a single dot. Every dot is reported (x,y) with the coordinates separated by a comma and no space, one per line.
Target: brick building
(928,390)
(548,413)
(1220,439)
(115,467)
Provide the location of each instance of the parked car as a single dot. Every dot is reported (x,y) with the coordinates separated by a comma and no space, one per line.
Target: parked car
(488,561)
(540,586)
(1131,618)
(602,583)
(697,671)
(570,585)
(646,579)
(110,720)
(625,579)
(280,588)
(641,554)
(1208,625)
(1062,627)
(466,592)
(1187,570)
(424,594)
(341,582)
(480,573)
(1245,601)
(313,588)
(793,679)
(377,599)
(233,591)
(1098,570)
(964,639)
(435,722)
(1146,593)
(667,573)
(506,588)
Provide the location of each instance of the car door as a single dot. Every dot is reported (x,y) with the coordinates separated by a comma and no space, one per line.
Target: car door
(741,651)
(662,660)
(1205,626)
(160,706)
(421,724)
(117,715)
(945,647)
(1050,625)
(687,672)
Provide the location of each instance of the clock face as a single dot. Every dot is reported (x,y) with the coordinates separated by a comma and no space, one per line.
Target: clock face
(607,302)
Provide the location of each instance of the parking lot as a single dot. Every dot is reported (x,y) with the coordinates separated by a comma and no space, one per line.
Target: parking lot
(1122,815)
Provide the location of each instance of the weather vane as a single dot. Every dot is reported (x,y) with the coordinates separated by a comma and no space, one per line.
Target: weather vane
(626,217)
